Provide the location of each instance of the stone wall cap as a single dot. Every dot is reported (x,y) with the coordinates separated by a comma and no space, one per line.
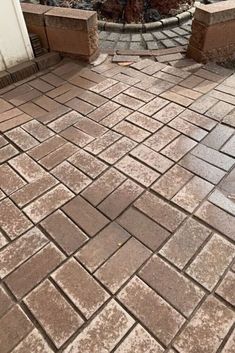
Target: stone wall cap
(70,13)
(35,9)
(215,13)
(218,6)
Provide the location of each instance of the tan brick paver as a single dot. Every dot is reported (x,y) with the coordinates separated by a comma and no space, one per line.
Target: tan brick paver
(117,206)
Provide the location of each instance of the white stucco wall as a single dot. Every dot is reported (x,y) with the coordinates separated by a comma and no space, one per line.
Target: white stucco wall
(15,45)
(2,65)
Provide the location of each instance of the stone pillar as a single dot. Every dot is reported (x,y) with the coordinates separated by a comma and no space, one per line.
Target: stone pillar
(15,46)
(213,32)
(72,32)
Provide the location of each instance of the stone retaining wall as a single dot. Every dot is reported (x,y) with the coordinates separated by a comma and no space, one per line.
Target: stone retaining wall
(213,32)
(68,31)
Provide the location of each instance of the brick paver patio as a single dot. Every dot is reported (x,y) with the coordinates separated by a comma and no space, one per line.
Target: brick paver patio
(117,224)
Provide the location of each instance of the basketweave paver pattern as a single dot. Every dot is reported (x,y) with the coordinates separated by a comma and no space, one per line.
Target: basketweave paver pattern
(117,209)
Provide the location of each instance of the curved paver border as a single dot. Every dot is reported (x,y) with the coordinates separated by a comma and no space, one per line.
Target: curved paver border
(147,27)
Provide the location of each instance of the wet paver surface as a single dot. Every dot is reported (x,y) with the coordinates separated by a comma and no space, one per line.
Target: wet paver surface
(117,227)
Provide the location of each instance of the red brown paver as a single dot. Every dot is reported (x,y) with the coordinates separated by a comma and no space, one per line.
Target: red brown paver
(14,325)
(37,268)
(120,267)
(227,288)
(211,262)
(117,206)
(6,302)
(80,287)
(12,220)
(104,332)
(71,177)
(117,150)
(160,211)
(191,195)
(87,163)
(76,136)
(185,242)
(164,185)
(47,203)
(101,247)
(64,232)
(137,171)
(103,186)
(102,142)
(183,294)
(32,190)
(10,180)
(47,304)
(27,167)
(143,228)
(230,345)
(7,152)
(34,340)
(22,248)
(38,130)
(85,215)
(162,320)
(64,121)
(220,318)
(22,139)
(139,341)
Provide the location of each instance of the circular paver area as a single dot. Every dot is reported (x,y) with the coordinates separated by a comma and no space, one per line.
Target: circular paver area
(166,38)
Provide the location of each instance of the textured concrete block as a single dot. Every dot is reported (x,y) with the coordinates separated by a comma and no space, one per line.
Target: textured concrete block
(73,32)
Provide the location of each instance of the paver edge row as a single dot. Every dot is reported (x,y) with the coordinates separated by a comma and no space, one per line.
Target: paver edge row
(147,27)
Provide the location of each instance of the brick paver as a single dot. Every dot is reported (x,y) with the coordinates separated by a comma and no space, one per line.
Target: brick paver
(64,232)
(211,262)
(143,228)
(14,326)
(122,265)
(227,288)
(104,332)
(162,320)
(117,205)
(6,302)
(184,244)
(37,268)
(80,287)
(47,304)
(211,323)
(178,290)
